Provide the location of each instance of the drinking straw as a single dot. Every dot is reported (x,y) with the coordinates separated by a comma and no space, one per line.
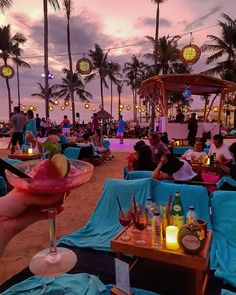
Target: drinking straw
(118,201)
(13,169)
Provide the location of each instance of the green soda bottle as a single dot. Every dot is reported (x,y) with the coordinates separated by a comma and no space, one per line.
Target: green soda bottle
(177,212)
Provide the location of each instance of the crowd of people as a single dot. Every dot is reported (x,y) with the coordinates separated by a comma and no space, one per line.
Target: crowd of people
(157,156)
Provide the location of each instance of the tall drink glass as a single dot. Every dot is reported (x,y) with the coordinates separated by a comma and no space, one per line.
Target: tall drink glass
(54,260)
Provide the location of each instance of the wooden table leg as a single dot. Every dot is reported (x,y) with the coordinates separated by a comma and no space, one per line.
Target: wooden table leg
(198,283)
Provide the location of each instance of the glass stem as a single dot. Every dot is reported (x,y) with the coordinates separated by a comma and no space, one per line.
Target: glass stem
(52,213)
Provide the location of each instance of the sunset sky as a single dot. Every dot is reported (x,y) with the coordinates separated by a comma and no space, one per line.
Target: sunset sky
(109,24)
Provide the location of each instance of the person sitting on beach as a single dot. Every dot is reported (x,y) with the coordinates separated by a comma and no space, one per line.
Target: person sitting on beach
(157,146)
(172,168)
(144,159)
(195,154)
(133,157)
(220,149)
(34,143)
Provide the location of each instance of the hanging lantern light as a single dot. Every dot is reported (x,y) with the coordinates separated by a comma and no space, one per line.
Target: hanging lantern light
(35,109)
(23,108)
(143,110)
(87,106)
(70,108)
(94,109)
(66,103)
(215,109)
(136,107)
(50,108)
(121,106)
(139,110)
(128,108)
(56,102)
(187,93)
(31,108)
(62,108)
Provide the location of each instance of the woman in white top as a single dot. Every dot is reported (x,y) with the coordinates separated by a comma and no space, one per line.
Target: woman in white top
(172,168)
(34,144)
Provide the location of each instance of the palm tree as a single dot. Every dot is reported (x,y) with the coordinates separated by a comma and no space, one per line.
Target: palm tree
(77,87)
(55,5)
(4,5)
(68,7)
(158,2)
(19,63)
(9,48)
(168,55)
(113,71)
(51,93)
(135,71)
(119,90)
(223,47)
(99,59)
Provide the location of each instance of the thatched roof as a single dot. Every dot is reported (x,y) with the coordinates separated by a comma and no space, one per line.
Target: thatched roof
(104,115)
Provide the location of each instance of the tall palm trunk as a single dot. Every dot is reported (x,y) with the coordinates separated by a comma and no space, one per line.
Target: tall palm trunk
(101,89)
(119,103)
(71,72)
(45,13)
(156,37)
(8,92)
(18,84)
(111,96)
(153,114)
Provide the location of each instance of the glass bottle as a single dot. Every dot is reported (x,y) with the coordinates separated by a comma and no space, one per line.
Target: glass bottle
(157,229)
(177,212)
(191,215)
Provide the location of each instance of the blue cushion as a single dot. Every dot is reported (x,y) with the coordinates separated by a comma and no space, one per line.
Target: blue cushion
(223,249)
(104,224)
(138,174)
(227,292)
(72,152)
(191,195)
(180,150)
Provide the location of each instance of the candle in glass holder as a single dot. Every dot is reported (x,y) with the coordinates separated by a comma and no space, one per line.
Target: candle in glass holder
(208,161)
(177,142)
(30,151)
(171,237)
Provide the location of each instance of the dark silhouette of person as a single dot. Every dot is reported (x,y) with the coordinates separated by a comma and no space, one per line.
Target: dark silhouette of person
(192,129)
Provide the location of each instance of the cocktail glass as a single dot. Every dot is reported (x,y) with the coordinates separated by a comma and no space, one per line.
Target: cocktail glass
(140,223)
(125,219)
(54,260)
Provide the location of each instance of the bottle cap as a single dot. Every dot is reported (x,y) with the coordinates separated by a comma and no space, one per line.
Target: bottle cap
(191,207)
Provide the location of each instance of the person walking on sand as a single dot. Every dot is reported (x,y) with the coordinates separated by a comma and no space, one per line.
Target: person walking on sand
(121,129)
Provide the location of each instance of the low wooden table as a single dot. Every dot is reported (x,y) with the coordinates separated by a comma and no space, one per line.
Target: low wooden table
(25,157)
(198,265)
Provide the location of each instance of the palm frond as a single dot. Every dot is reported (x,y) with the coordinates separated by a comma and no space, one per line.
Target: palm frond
(55,4)
(5,5)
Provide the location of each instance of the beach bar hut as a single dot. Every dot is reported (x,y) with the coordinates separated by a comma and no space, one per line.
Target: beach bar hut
(157,88)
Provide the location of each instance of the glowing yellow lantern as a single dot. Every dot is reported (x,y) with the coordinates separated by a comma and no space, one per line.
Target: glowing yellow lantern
(62,108)
(121,106)
(94,109)
(215,109)
(50,108)
(172,237)
(139,110)
(136,107)
(143,110)
(67,103)
(35,109)
(70,108)
(31,108)
(56,102)
(128,108)
(87,106)
(23,108)
(30,151)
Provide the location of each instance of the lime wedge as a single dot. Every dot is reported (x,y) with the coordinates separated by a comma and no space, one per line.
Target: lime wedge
(61,163)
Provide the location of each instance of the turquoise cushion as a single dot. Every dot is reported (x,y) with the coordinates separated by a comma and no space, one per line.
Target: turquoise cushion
(3,186)
(104,224)
(223,249)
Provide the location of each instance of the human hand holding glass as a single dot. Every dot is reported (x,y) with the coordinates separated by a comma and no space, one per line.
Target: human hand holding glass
(55,260)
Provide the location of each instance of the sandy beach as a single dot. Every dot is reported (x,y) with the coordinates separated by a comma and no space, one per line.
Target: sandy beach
(77,210)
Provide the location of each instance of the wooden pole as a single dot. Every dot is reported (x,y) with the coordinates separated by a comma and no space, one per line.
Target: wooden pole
(222,98)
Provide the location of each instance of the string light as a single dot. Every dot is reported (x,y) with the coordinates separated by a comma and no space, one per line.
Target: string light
(87,106)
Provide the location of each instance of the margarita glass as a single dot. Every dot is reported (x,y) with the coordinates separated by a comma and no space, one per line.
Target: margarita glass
(55,260)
